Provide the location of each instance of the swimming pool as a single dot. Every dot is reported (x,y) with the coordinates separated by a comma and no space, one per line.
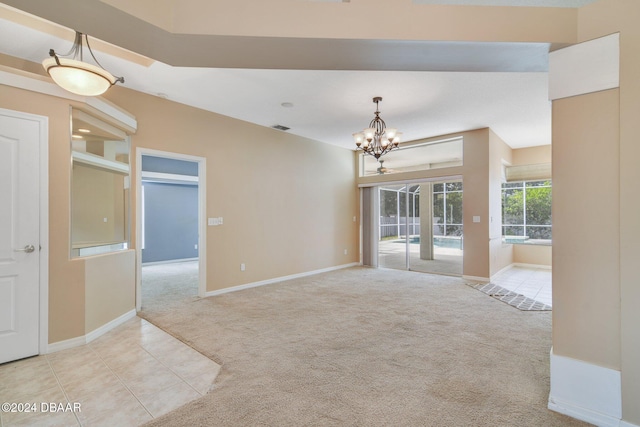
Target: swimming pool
(438,241)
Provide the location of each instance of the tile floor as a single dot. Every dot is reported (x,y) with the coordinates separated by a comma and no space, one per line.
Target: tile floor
(534,283)
(128,376)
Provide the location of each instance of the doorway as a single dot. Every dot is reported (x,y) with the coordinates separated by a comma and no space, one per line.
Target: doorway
(420,226)
(170,233)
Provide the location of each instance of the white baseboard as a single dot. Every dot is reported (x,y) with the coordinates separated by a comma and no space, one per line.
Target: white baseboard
(277,279)
(66,344)
(476,278)
(585,391)
(523,265)
(502,270)
(169,261)
(96,333)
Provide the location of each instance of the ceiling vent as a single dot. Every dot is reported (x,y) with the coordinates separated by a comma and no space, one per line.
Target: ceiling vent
(280,127)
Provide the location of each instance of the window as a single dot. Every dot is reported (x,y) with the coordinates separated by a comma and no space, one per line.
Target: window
(418,157)
(447,209)
(526,212)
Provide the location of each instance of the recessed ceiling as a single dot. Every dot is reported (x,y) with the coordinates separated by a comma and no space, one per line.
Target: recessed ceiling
(458,86)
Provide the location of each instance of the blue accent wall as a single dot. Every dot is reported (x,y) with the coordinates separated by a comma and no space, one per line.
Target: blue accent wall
(163,165)
(171,221)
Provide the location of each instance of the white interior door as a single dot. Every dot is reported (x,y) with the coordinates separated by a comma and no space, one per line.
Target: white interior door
(19,236)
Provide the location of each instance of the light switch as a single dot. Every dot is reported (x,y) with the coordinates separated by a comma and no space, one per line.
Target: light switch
(476,218)
(212,221)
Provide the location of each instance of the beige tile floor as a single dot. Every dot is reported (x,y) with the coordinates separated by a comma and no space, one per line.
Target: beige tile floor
(127,377)
(534,283)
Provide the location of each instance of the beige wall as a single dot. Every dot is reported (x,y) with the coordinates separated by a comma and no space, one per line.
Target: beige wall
(531,155)
(110,282)
(586,232)
(537,255)
(602,18)
(501,253)
(288,203)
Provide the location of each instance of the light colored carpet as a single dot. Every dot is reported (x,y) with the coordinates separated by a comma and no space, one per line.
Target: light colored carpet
(365,347)
(166,286)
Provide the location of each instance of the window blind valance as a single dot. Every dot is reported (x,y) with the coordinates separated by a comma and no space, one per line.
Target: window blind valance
(528,172)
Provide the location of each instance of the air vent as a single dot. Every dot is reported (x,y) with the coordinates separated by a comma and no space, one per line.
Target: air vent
(280,127)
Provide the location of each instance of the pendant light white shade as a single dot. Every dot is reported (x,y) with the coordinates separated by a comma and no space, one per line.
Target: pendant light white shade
(78,77)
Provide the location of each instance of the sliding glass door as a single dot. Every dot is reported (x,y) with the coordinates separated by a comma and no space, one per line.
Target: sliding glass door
(420,227)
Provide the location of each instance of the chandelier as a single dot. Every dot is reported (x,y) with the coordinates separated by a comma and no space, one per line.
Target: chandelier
(377,140)
(77,76)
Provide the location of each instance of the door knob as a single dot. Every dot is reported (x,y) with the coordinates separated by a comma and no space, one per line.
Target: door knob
(28,249)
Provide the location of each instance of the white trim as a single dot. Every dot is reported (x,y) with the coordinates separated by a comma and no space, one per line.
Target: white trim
(540,266)
(66,344)
(476,278)
(44,235)
(112,111)
(502,270)
(399,180)
(278,279)
(169,261)
(100,162)
(586,67)
(202,216)
(585,391)
(96,333)
(39,84)
(169,177)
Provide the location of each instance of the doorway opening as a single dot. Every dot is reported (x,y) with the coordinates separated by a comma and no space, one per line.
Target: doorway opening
(170,229)
(420,227)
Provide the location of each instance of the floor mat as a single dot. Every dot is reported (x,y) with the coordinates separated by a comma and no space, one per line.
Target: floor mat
(512,298)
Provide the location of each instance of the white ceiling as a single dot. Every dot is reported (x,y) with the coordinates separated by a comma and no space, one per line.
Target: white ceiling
(329,105)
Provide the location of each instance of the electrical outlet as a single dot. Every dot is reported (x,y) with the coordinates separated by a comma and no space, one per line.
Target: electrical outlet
(345,251)
(242,267)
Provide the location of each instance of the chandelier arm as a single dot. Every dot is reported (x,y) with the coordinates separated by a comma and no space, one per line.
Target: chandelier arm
(374,145)
(86,37)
